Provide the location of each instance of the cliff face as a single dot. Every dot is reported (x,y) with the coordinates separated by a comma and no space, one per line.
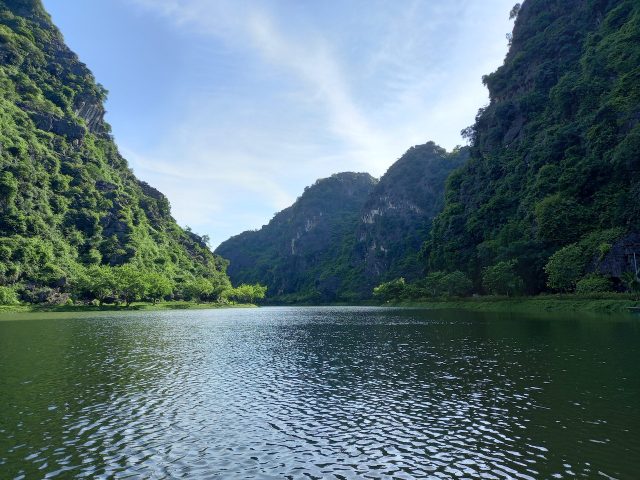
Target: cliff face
(67,197)
(554,156)
(293,255)
(347,233)
(397,216)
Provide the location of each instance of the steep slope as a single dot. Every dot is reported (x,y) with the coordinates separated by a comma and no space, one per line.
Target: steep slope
(67,197)
(347,233)
(397,217)
(555,156)
(295,253)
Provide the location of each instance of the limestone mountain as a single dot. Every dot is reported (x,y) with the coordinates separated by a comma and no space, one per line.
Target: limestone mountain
(397,217)
(68,199)
(553,178)
(348,232)
(302,253)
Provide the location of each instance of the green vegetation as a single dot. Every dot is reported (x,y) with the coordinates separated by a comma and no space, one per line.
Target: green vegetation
(76,226)
(347,233)
(303,254)
(603,303)
(551,188)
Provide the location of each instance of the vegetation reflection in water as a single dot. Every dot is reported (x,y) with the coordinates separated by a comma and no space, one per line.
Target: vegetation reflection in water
(323,392)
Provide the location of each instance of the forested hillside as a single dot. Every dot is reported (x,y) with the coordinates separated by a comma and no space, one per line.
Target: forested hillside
(71,209)
(348,232)
(303,254)
(550,196)
(398,214)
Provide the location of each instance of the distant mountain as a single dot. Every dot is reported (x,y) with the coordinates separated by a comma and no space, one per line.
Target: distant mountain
(346,233)
(295,254)
(553,180)
(397,217)
(68,200)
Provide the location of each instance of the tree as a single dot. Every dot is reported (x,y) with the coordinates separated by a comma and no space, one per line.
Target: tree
(158,286)
(8,296)
(197,289)
(502,279)
(632,282)
(98,281)
(247,293)
(565,267)
(393,290)
(514,11)
(457,284)
(434,283)
(130,283)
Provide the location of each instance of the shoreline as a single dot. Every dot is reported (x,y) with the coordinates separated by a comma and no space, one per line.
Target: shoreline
(544,303)
(134,307)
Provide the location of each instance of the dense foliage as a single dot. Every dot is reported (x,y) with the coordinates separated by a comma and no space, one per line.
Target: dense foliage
(347,233)
(398,214)
(303,254)
(552,183)
(74,220)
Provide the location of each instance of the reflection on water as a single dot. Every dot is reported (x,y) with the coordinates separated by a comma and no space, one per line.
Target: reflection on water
(319,393)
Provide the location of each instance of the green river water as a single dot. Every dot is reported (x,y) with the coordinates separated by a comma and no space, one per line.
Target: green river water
(319,392)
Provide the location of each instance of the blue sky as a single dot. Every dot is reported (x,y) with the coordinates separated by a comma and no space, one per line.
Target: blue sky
(232,107)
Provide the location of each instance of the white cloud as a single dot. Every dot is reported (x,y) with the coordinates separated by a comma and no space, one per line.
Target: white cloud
(308,100)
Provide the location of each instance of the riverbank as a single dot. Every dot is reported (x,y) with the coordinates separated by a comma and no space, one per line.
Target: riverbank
(544,303)
(136,306)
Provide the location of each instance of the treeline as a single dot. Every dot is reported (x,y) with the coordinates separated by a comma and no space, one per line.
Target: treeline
(125,284)
(566,273)
(552,180)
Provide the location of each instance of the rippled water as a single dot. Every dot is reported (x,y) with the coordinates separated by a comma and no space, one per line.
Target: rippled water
(319,393)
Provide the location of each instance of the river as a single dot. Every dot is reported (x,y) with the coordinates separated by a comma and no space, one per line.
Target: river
(319,392)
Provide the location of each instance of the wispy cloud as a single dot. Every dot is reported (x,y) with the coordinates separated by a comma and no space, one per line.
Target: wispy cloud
(305,94)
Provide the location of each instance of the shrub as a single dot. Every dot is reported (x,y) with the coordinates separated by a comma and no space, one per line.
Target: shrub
(565,267)
(392,290)
(593,283)
(8,296)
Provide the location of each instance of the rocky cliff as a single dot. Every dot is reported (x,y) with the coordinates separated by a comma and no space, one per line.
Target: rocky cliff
(347,233)
(299,252)
(68,199)
(554,157)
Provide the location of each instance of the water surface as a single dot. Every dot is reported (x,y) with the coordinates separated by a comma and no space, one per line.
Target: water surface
(319,393)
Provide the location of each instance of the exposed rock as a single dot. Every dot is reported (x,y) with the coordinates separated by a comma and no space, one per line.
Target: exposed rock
(624,256)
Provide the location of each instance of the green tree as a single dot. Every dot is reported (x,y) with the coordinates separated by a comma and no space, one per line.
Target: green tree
(197,289)
(456,284)
(433,284)
(502,279)
(246,293)
(632,282)
(158,286)
(98,281)
(8,296)
(593,283)
(393,290)
(130,282)
(565,267)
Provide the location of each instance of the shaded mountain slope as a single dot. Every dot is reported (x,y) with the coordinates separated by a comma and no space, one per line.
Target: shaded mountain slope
(67,197)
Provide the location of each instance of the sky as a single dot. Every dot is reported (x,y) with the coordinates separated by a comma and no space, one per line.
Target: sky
(232,107)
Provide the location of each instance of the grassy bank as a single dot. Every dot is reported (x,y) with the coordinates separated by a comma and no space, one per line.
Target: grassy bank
(610,303)
(136,306)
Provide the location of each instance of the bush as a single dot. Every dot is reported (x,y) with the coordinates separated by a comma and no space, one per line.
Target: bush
(8,296)
(392,290)
(565,267)
(593,284)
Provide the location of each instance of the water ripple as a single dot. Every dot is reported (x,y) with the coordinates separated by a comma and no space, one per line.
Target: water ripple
(318,393)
